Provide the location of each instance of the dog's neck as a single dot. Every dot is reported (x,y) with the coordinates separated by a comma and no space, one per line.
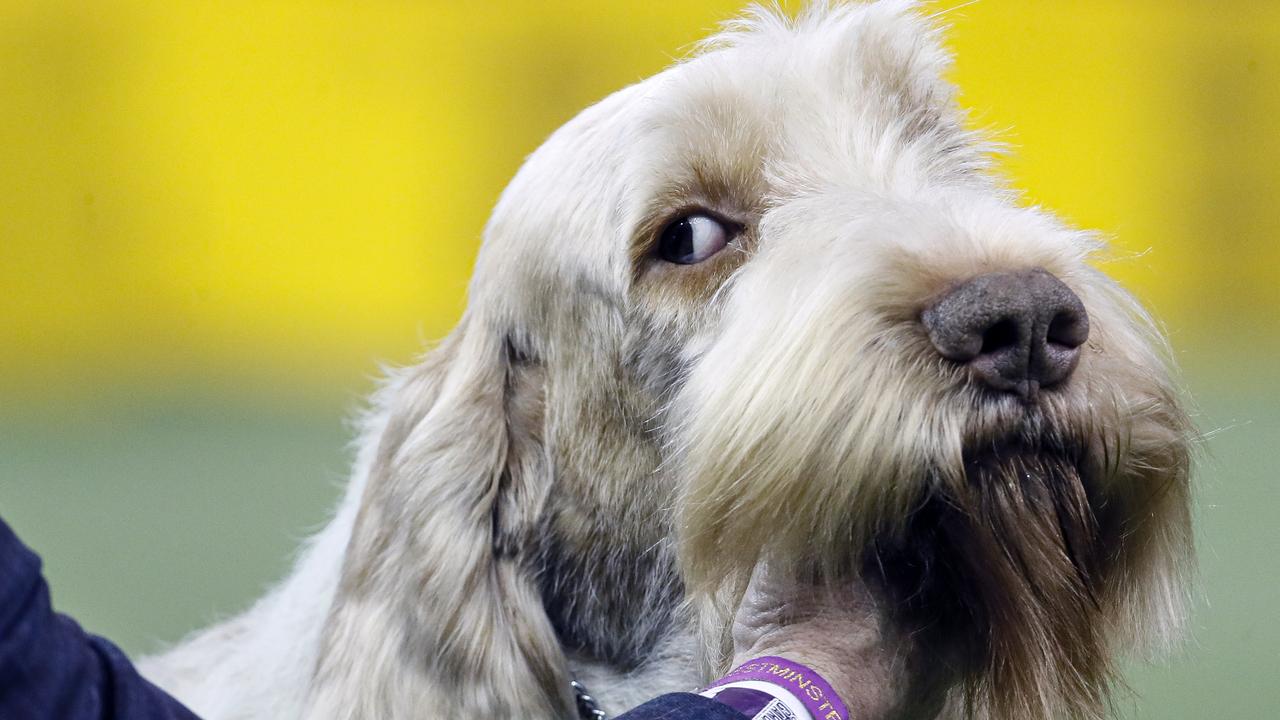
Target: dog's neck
(853,640)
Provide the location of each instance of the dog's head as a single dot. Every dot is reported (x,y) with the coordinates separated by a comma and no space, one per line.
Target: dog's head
(770,303)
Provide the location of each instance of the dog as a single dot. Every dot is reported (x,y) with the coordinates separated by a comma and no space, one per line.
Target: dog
(768,307)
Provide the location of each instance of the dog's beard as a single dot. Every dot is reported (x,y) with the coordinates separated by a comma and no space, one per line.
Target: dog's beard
(999,570)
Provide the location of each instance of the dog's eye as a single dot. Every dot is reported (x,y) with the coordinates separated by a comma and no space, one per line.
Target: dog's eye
(692,239)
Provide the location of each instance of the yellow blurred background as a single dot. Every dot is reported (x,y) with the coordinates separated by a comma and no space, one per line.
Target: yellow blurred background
(216,218)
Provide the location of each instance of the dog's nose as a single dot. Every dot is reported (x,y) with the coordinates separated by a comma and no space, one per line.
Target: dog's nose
(1019,331)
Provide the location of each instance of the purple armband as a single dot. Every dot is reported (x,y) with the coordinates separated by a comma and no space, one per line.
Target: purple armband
(800,682)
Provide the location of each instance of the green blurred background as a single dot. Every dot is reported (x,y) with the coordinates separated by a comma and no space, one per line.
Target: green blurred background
(217,218)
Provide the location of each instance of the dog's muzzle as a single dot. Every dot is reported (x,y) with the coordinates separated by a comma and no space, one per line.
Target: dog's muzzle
(1017,331)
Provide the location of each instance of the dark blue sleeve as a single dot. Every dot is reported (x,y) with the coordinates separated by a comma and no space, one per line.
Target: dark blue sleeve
(50,668)
(682,706)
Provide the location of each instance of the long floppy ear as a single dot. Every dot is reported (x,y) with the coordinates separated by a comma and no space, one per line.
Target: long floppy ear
(435,614)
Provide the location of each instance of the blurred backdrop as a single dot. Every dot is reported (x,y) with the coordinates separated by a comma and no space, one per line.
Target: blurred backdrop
(216,219)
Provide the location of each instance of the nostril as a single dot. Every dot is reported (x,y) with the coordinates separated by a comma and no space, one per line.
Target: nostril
(1017,331)
(1003,334)
(1068,328)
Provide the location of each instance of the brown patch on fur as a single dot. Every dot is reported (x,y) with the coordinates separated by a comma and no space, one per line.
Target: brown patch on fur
(689,286)
(522,487)
(1002,571)
(716,168)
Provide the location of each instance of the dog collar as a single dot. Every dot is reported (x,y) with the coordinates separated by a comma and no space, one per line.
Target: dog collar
(587,707)
(765,687)
(795,691)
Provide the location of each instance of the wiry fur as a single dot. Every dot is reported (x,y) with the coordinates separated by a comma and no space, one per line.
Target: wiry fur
(581,479)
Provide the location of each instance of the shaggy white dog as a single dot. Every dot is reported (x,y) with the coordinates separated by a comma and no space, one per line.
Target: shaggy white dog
(766,306)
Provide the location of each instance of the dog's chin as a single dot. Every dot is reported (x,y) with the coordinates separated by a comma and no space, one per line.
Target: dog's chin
(998,570)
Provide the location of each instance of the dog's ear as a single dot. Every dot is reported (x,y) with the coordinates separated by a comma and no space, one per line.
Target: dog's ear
(435,614)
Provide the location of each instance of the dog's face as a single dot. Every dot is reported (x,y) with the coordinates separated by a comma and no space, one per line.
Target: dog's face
(769,305)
